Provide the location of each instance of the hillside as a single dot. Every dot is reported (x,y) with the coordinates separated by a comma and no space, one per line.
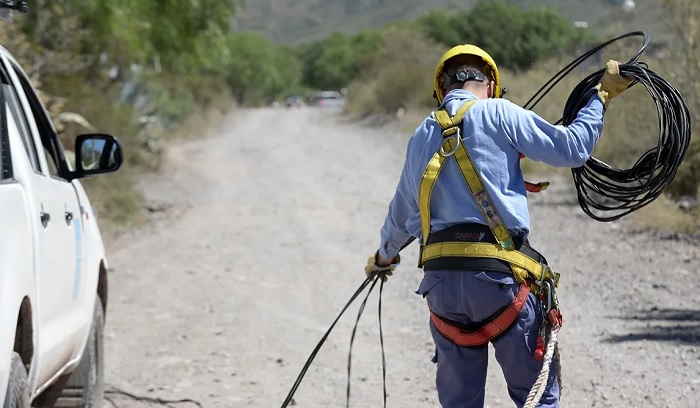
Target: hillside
(297,21)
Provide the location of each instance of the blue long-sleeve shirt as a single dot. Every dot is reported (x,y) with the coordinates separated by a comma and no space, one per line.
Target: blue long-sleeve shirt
(495,132)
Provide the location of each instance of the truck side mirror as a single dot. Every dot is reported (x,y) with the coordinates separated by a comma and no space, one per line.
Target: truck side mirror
(96,153)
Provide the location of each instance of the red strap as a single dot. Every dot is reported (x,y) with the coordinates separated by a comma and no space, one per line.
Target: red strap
(492,329)
(555,319)
(531,187)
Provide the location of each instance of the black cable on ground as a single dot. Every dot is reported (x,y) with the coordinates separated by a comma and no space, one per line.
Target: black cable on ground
(148,400)
(373,280)
(603,189)
(352,337)
(289,399)
(381,341)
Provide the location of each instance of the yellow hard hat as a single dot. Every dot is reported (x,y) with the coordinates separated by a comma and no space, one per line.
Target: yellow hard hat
(468,49)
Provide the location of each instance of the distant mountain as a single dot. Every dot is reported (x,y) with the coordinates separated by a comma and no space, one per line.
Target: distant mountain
(296,21)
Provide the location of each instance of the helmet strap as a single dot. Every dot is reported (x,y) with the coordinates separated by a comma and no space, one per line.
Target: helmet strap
(464,75)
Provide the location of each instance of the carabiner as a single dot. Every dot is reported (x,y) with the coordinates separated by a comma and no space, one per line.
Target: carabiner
(549,302)
(457,136)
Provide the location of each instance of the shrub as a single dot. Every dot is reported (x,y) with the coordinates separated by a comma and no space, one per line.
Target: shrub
(399,74)
(515,38)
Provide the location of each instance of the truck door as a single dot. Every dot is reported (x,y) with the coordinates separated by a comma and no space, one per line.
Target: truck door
(63,316)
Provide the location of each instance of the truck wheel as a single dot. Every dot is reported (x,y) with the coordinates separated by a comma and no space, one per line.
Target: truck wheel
(84,387)
(17,395)
(90,372)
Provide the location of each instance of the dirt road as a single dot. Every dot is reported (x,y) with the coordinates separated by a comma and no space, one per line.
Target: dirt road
(265,227)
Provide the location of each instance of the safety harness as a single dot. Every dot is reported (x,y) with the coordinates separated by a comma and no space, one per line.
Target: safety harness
(479,247)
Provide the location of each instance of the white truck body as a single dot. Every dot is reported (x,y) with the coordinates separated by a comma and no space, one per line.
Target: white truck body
(52,258)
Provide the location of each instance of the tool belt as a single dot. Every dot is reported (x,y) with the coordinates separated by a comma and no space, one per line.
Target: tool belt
(472,247)
(473,233)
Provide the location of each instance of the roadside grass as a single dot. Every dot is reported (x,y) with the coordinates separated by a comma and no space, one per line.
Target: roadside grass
(665,215)
(115,197)
(203,117)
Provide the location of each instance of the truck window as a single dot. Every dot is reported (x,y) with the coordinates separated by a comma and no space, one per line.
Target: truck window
(12,101)
(6,169)
(51,144)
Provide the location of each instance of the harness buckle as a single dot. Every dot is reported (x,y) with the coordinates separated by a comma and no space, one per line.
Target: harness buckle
(550,304)
(545,269)
(454,133)
(548,274)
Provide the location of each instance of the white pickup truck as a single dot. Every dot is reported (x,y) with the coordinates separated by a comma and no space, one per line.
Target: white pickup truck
(53,270)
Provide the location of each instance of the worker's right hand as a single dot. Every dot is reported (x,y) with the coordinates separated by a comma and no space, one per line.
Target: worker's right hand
(612,83)
(383,268)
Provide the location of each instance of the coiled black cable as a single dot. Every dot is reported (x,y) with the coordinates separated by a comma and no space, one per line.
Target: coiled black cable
(602,188)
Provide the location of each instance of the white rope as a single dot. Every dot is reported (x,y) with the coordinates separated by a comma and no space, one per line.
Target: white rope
(558,363)
(533,398)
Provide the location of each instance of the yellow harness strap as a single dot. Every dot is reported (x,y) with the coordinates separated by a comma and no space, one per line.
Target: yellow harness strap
(452,145)
(521,264)
(450,131)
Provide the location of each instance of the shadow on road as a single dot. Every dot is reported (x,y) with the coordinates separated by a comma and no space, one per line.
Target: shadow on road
(672,325)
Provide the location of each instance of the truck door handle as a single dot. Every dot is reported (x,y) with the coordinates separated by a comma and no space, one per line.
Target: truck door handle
(69,217)
(45,218)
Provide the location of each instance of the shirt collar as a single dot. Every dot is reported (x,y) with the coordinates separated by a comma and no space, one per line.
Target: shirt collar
(458,94)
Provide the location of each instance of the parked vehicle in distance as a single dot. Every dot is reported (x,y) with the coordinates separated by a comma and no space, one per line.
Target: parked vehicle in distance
(53,272)
(294,101)
(328,99)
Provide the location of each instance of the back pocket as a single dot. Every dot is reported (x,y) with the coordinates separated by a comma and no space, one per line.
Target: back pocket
(503,280)
(431,288)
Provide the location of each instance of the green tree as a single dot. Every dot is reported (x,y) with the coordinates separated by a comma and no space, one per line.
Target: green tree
(186,32)
(515,38)
(258,70)
(399,74)
(335,66)
(181,34)
(439,26)
(335,61)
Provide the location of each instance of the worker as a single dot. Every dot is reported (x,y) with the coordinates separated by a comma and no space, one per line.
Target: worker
(461,193)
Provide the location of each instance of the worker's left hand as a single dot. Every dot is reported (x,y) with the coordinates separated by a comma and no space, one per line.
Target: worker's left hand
(376,265)
(612,84)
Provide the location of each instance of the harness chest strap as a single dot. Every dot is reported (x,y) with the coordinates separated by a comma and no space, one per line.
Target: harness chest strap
(435,165)
(452,140)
